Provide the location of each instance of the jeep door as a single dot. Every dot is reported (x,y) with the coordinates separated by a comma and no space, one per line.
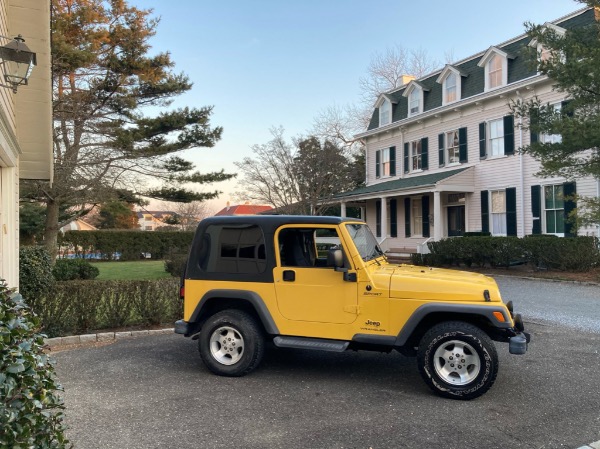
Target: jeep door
(307,288)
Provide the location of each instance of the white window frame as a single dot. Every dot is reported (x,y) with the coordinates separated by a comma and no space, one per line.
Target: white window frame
(488,58)
(495,143)
(415,98)
(498,222)
(558,212)
(452,150)
(385,112)
(385,163)
(416,216)
(415,155)
(552,138)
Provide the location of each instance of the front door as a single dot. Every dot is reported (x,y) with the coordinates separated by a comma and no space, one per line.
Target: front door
(456,221)
(306,288)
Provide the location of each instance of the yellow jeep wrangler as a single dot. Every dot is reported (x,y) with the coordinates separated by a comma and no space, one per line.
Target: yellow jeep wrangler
(323,283)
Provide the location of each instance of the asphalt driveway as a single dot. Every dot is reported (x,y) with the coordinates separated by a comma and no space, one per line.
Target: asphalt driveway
(154,392)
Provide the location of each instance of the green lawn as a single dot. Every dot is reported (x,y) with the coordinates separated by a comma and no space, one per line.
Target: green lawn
(134,270)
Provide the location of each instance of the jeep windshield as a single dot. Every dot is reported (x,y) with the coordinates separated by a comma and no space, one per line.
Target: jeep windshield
(364,241)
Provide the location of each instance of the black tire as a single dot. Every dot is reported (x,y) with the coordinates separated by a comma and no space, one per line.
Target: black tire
(231,343)
(466,377)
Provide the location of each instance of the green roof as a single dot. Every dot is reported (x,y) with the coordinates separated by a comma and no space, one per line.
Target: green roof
(403,184)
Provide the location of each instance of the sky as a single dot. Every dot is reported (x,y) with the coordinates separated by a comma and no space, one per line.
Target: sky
(272,63)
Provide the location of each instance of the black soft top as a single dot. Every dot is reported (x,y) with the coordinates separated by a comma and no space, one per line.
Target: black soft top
(272,222)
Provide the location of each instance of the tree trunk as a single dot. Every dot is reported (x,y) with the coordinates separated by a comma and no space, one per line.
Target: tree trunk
(51,232)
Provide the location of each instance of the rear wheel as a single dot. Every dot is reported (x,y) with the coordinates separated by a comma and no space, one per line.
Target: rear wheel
(231,343)
(457,360)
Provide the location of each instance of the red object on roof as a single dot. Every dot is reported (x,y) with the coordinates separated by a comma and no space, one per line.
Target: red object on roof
(243,209)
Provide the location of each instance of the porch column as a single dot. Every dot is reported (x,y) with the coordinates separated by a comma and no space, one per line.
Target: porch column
(343,207)
(438,224)
(384,229)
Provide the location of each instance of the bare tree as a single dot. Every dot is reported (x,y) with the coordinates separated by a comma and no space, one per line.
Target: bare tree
(268,177)
(189,214)
(387,70)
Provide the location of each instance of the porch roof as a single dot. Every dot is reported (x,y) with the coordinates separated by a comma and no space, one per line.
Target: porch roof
(432,181)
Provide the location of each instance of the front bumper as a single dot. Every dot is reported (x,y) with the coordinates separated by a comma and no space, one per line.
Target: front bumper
(518,343)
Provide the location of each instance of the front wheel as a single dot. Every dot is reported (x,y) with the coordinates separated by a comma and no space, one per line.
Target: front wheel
(231,343)
(457,360)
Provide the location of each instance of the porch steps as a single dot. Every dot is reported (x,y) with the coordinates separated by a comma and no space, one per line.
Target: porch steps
(400,255)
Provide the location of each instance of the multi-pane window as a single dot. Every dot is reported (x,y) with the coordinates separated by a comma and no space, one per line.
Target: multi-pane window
(553,138)
(452,147)
(417,216)
(554,209)
(416,155)
(414,101)
(385,113)
(496,128)
(495,71)
(450,88)
(385,162)
(498,212)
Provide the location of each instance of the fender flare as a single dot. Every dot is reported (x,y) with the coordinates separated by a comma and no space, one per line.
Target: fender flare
(246,295)
(427,309)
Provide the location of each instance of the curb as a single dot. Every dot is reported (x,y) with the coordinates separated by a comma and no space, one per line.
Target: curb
(595,445)
(531,278)
(103,336)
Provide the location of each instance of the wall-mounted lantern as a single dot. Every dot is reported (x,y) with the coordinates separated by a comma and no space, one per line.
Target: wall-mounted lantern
(16,61)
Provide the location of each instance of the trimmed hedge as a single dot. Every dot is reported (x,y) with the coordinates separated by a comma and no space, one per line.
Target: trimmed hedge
(129,244)
(31,413)
(71,269)
(566,254)
(78,307)
(35,271)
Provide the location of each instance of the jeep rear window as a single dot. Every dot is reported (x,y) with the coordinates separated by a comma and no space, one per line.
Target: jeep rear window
(233,249)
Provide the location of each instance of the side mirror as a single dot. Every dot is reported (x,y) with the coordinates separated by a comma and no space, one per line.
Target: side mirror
(335,258)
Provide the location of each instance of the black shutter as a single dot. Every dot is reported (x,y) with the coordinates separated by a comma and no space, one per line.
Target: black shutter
(485,212)
(425,153)
(407,217)
(569,189)
(406,157)
(534,137)
(564,107)
(378,163)
(462,144)
(392,161)
(441,148)
(425,215)
(393,218)
(378,218)
(509,135)
(536,209)
(482,141)
(511,211)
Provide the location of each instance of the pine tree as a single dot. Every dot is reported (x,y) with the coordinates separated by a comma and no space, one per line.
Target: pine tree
(106,85)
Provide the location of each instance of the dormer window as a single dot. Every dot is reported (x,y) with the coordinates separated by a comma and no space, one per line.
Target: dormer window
(414,102)
(544,54)
(450,79)
(385,109)
(414,93)
(385,113)
(495,64)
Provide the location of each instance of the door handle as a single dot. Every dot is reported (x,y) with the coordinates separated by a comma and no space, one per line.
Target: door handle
(289,275)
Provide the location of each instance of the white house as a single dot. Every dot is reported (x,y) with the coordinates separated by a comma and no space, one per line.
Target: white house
(25,121)
(442,153)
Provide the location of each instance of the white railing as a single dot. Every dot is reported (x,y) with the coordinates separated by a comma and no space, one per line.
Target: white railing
(422,247)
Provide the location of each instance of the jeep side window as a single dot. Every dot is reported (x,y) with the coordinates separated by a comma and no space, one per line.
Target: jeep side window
(306,247)
(233,249)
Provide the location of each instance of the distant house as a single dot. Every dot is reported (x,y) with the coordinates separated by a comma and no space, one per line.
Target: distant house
(151,220)
(243,209)
(77,225)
